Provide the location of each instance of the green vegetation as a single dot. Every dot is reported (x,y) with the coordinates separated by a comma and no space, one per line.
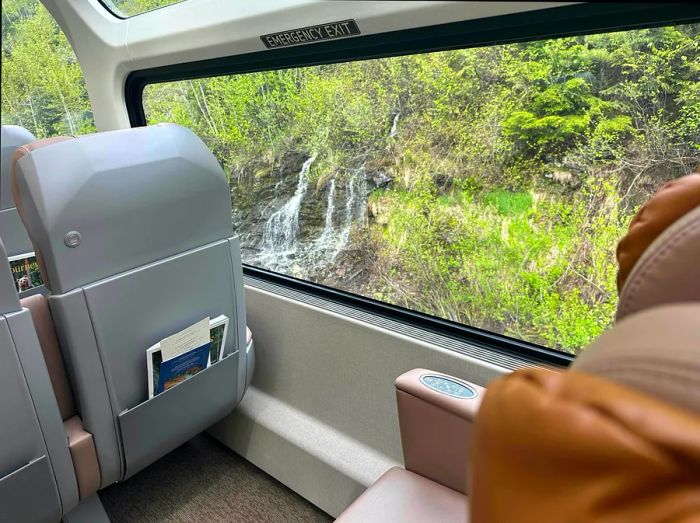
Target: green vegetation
(513,172)
(42,85)
(528,264)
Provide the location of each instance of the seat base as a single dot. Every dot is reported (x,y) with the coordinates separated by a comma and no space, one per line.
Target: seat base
(89,510)
(400,495)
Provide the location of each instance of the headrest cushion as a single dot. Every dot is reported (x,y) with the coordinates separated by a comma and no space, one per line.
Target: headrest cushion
(17,199)
(670,202)
(11,137)
(668,271)
(656,352)
(134,196)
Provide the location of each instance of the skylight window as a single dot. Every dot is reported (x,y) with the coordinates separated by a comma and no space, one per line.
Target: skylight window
(129,8)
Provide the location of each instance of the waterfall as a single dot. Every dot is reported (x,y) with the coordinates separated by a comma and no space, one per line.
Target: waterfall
(324,249)
(283,248)
(332,240)
(349,209)
(330,208)
(394,125)
(282,228)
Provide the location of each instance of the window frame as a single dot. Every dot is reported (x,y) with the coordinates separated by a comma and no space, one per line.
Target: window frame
(555,22)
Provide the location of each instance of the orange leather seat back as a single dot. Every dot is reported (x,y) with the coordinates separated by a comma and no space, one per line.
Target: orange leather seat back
(617,437)
(659,257)
(559,447)
(670,202)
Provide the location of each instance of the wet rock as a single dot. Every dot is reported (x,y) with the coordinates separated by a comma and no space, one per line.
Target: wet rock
(377,210)
(442,180)
(285,225)
(378,179)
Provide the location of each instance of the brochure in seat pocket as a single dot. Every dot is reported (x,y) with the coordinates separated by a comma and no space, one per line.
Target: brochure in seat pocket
(217,334)
(178,369)
(25,271)
(173,359)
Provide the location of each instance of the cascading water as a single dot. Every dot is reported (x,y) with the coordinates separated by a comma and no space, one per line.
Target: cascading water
(333,240)
(282,228)
(357,178)
(285,249)
(327,233)
(395,125)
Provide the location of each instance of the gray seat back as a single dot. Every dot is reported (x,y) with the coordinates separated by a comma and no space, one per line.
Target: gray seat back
(37,481)
(11,228)
(133,229)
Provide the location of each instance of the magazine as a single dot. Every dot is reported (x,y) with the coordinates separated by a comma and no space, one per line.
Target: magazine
(183,361)
(25,271)
(153,360)
(218,327)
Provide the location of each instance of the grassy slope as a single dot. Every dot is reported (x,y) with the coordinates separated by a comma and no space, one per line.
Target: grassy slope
(531,264)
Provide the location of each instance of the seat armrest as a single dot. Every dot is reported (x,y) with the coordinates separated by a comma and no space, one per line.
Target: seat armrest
(82,450)
(436,428)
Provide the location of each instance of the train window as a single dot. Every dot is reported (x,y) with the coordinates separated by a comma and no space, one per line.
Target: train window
(43,88)
(487,186)
(128,8)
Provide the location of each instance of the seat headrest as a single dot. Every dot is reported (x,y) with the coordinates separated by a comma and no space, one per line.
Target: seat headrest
(101,204)
(11,137)
(659,256)
(656,351)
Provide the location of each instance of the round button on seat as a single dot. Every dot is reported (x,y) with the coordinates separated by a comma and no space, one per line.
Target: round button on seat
(448,386)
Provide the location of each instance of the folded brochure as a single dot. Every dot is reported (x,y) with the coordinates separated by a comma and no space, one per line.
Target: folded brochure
(25,271)
(184,354)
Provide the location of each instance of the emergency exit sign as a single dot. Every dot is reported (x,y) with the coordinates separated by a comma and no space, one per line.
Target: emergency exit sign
(314,33)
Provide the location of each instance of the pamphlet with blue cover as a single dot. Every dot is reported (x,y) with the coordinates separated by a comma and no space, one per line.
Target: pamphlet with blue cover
(182,367)
(182,355)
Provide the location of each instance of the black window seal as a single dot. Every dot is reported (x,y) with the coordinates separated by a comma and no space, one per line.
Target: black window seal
(554,22)
(460,331)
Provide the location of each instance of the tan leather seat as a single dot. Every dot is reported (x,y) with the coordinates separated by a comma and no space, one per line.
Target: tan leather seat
(571,446)
(400,495)
(617,437)
(435,434)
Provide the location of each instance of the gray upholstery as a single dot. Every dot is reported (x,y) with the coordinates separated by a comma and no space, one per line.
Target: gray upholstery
(37,481)
(135,196)
(153,210)
(11,229)
(9,301)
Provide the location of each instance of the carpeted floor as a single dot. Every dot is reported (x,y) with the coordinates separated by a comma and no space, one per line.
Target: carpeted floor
(205,481)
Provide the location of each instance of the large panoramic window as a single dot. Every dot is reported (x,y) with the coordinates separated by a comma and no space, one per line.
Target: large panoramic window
(487,186)
(43,88)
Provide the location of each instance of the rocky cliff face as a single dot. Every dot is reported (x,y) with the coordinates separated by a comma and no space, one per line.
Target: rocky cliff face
(290,224)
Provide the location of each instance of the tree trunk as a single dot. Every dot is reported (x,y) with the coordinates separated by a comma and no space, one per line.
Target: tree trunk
(71,125)
(201,108)
(31,110)
(206,107)
(183,91)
